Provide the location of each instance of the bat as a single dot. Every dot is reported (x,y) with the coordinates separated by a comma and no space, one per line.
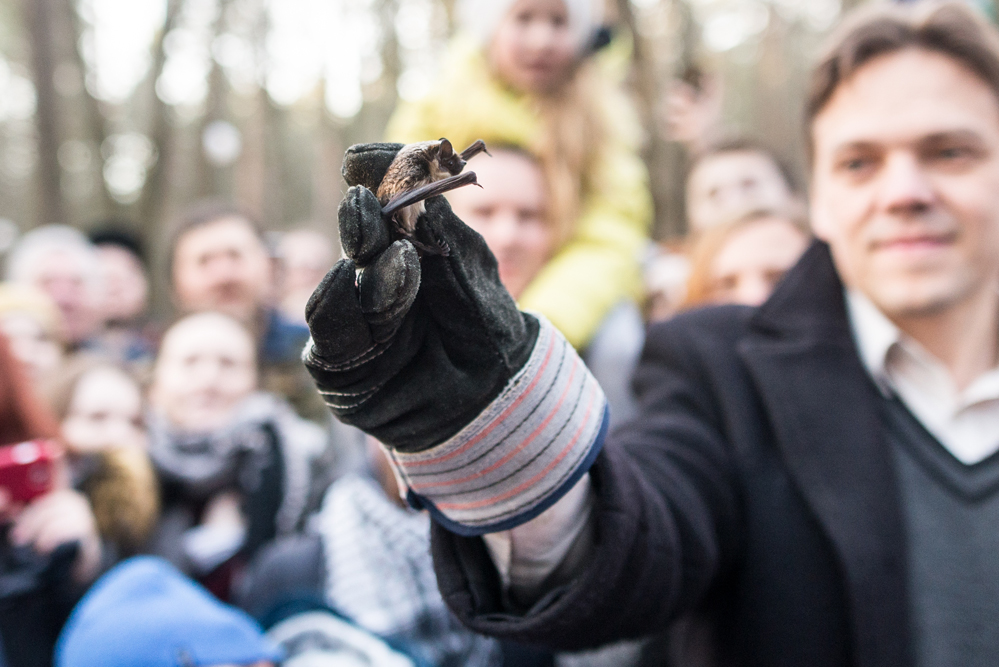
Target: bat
(419,171)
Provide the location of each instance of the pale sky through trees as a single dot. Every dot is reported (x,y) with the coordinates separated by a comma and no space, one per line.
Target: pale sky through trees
(154,103)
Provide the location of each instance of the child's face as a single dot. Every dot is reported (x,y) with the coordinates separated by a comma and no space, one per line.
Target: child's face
(104,412)
(205,368)
(533,49)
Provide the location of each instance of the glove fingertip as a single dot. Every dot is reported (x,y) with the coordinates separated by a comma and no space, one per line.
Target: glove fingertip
(389,287)
(363,232)
(340,281)
(366,164)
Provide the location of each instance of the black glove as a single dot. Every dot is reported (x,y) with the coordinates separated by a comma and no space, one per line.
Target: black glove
(488,413)
(418,347)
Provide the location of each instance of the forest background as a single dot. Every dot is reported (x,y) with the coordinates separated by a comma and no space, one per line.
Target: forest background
(130,109)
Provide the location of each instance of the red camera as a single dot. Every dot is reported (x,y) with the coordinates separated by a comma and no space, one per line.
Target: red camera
(28,469)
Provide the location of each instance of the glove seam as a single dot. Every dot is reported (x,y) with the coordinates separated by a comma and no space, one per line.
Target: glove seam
(359,360)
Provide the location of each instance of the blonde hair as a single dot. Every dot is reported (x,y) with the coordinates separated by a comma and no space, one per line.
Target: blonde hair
(20,298)
(576,129)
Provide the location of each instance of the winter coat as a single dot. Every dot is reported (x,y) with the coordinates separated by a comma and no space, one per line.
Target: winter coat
(755,492)
(599,264)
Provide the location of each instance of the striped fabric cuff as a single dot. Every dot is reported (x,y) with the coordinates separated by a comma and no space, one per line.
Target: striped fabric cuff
(521,454)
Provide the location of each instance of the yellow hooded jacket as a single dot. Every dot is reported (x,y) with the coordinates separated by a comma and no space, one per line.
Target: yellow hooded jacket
(599,265)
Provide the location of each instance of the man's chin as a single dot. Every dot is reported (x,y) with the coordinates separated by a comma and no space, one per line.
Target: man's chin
(908,299)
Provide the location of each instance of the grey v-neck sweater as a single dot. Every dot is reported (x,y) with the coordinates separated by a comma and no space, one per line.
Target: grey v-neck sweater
(952,523)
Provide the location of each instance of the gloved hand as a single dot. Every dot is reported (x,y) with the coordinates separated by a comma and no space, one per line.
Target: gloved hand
(430,355)
(418,348)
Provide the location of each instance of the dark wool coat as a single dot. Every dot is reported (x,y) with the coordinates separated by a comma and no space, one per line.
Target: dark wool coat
(755,493)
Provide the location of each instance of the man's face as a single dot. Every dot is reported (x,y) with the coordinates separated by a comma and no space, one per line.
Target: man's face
(222,266)
(725,186)
(906,182)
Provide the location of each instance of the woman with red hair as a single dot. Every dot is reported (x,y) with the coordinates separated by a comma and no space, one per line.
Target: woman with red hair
(49,547)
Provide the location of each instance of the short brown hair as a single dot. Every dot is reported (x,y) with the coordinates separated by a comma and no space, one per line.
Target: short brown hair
(950,28)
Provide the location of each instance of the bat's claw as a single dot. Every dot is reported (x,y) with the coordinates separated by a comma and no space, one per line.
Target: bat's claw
(440,247)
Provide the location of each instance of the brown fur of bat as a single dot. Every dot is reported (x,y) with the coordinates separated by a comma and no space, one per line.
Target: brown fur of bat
(419,171)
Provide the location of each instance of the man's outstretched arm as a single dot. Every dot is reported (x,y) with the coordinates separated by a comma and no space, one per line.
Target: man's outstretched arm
(492,421)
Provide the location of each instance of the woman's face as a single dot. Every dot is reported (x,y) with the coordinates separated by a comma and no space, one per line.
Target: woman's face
(105,411)
(509,211)
(206,367)
(533,49)
(753,259)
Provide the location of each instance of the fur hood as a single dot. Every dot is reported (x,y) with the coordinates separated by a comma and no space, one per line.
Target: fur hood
(124,495)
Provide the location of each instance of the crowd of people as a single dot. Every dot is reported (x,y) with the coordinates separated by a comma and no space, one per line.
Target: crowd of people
(257,479)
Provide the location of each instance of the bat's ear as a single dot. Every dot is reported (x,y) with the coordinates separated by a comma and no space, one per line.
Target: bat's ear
(366,164)
(447,150)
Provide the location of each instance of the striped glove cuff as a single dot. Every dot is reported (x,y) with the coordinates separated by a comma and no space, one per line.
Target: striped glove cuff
(521,454)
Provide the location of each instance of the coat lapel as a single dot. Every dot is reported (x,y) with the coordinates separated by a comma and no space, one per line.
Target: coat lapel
(824,410)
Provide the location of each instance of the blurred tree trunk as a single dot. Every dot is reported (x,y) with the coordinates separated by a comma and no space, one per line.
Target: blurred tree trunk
(274,167)
(152,204)
(250,188)
(666,160)
(40,16)
(326,172)
(95,121)
(450,10)
(251,168)
(211,181)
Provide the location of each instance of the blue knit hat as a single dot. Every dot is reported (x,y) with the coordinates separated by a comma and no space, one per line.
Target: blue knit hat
(145,612)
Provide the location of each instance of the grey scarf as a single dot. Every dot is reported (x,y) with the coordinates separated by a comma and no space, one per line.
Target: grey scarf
(233,456)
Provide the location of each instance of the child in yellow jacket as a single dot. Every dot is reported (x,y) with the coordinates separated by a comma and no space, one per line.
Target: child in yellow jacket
(520,76)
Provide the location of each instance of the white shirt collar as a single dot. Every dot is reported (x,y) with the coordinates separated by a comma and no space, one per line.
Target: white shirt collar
(882,345)
(875,336)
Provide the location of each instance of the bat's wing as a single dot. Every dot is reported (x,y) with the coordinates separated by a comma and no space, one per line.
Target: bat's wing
(416,195)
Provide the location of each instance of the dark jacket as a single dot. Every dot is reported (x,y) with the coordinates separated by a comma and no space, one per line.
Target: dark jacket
(754,493)
(37,593)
